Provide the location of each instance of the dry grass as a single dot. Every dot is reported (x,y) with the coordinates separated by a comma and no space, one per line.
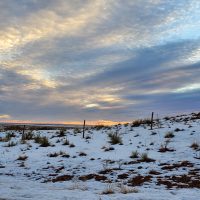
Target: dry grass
(108,190)
(125,189)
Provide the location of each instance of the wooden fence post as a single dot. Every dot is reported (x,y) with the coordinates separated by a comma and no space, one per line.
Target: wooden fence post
(152,120)
(23,130)
(84,129)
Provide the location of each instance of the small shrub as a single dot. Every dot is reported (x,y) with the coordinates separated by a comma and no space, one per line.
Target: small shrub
(87,137)
(53,155)
(99,127)
(22,157)
(7,137)
(27,136)
(169,134)
(71,145)
(134,154)
(108,190)
(61,133)
(115,138)
(66,142)
(76,131)
(37,139)
(11,144)
(125,189)
(178,129)
(44,142)
(139,122)
(195,146)
(145,158)
(82,154)
(56,154)
(164,148)
(109,148)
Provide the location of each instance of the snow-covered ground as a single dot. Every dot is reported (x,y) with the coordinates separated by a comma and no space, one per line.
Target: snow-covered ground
(93,167)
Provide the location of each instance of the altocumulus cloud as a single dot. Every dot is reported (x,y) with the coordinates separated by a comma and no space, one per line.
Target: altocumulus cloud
(72,60)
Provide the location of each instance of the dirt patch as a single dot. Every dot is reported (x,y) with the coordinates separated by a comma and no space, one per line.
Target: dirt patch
(177,165)
(122,176)
(182,181)
(62,178)
(106,171)
(139,180)
(153,172)
(93,176)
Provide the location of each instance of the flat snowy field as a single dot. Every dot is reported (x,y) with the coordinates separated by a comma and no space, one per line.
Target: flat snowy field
(158,164)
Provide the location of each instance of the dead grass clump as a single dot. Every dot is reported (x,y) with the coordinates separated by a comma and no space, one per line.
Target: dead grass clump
(108,190)
(169,134)
(61,133)
(194,146)
(82,154)
(22,157)
(27,136)
(11,144)
(145,158)
(66,142)
(115,138)
(124,189)
(134,154)
(43,141)
(71,145)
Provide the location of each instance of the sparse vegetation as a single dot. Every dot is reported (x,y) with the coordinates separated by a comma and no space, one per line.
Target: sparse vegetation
(145,158)
(125,189)
(115,138)
(139,122)
(134,154)
(195,146)
(169,134)
(37,138)
(11,144)
(108,190)
(92,160)
(164,147)
(109,148)
(76,131)
(43,141)
(7,137)
(27,136)
(61,133)
(82,154)
(66,142)
(22,157)
(60,153)
(71,145)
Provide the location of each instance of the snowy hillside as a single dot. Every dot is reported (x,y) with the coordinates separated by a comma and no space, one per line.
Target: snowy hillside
(121,162)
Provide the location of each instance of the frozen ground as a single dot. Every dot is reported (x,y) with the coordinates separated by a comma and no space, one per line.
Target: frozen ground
(93,167)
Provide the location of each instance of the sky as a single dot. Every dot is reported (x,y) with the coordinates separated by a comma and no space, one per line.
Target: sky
(66,61)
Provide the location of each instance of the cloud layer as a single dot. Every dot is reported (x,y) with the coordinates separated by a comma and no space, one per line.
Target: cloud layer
(73,60)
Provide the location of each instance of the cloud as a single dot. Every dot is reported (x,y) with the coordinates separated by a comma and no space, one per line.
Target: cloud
(4,116)
(98,59)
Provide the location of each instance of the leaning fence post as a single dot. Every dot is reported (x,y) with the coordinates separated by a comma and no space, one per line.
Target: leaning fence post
(84,129)
(152,120)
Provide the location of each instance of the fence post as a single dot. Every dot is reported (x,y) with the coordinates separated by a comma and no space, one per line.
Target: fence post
(152,120)
(23,130)
(84,129)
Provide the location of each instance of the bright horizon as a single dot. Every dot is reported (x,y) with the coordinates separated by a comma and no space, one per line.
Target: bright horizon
(102,61)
